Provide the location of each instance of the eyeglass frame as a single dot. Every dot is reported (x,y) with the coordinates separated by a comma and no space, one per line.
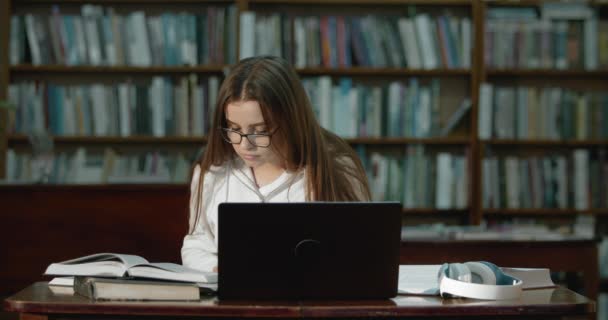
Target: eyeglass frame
(247,135)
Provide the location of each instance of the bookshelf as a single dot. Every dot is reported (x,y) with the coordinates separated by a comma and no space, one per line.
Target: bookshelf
(463,141)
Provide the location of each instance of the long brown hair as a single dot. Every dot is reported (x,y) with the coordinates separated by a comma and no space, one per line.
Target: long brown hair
(333,171)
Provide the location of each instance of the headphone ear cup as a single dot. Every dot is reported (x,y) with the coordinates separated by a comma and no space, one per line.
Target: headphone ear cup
(460,272)
(481,273)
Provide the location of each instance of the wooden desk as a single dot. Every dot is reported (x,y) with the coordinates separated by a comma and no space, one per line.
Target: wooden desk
(40,303)
(565,255)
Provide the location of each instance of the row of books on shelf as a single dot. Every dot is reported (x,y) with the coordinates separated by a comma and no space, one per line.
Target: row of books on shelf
(548,181)
(101,37)
(398,109)
(419,41)
(82,167)
(541,113)
(184,107)
(418,179)
(515,228)
(562,37)
(165,107)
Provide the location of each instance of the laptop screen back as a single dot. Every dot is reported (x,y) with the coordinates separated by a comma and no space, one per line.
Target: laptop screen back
(309,250)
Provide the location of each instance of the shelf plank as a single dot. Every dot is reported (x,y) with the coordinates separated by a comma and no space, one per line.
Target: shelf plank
(404,141)
(353,71)
(529,3)
(544,211)
(138,187)
(114,2)
(545,143)
(22,139)
(382,72)
(368,2)
(434,211)
(546,73)
(116,70)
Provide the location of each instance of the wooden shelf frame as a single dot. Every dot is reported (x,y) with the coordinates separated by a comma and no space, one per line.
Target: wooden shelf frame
(23,139)
(546,143)
(545,211)
(474,77)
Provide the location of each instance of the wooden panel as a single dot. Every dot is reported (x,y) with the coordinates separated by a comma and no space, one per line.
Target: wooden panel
(44,224)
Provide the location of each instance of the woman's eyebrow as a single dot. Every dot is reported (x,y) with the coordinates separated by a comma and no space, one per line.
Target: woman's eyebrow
(251,125)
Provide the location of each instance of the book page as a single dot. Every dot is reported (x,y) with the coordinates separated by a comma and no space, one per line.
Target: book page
(100,264)
(418,279)
(171,271)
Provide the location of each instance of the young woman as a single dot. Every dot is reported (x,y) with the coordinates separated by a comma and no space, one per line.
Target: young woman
(265,145)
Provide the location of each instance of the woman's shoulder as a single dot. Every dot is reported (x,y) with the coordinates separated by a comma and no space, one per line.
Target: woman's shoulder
(210,175)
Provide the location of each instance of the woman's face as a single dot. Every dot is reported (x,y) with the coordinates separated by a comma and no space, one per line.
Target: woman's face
(246,117)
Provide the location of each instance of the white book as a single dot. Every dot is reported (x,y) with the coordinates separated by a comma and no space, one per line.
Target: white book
(353,124)
(590,40)
(426,39)
(81,42)
(139,50)
(156,99)
(461,183)
(409,42)
(196,105)
(376,112)
(247,35)
(486,172)
(561,173)
(89,17)
(213,86)
(99,110)
(485,111)
(325,102)
(423,128)
(378,180)
(69,113)
(32,39)
(581,179)
(125,265)
(300,42)
(15,41)
(512,182)
(444,185)
(181,108)
(124,110)
(466,42)
(109,39)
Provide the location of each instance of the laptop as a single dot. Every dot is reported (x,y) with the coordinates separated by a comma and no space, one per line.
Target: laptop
(308,250)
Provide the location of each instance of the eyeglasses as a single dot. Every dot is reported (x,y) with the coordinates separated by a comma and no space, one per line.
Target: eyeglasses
(257,139)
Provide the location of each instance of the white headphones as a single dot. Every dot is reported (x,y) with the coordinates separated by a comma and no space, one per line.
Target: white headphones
(477,280)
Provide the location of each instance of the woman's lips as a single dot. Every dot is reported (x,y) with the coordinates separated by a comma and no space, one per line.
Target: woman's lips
(249,157)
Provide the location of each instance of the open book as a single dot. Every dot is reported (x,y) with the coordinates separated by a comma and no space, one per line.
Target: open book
(424,279)
(125,265)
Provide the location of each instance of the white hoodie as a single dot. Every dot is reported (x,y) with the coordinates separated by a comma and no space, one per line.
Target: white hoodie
(232,182)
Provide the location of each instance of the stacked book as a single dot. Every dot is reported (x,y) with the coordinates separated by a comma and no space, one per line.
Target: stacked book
(111,276)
